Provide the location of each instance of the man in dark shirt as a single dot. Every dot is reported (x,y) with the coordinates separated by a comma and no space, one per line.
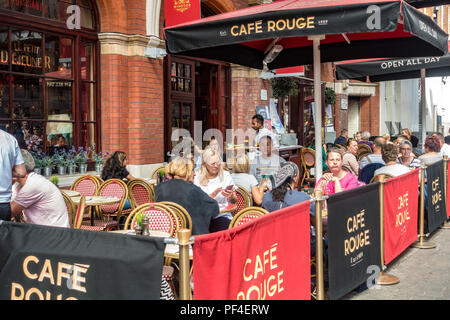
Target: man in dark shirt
(342,138)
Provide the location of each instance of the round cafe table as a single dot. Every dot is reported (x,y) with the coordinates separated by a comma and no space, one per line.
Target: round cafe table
(70,193)
(96,201)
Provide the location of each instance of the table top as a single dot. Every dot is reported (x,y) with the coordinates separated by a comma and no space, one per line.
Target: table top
(150,180)
(153,233)
(70,193)
(97,200)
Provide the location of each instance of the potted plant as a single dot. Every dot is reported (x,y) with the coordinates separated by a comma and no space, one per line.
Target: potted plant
(71,160)
(81,159)
(61,162)
(37,157)
(47,164)
(98,159)
(138,227)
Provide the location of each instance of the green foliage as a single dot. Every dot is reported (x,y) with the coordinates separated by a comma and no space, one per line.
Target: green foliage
(330,96)
(139,218)
(54,180)
(283,87)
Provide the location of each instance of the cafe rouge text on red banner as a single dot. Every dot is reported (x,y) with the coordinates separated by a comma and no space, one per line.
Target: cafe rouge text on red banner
(401,207)
(267,258)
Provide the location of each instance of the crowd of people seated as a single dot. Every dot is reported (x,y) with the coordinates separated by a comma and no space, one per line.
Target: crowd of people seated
(207,187)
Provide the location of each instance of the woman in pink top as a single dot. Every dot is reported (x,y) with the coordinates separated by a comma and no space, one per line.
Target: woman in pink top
(337,179)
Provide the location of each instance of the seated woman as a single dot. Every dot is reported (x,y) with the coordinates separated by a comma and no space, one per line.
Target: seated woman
(181,190)
(115,168)
(283,193)
(337,179)
(241,176)
(389,152)
(432,147)
(218,184)
(406,156)
(349,161)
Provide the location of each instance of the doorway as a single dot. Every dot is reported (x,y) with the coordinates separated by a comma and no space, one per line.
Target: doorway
(354,115)
(196,90)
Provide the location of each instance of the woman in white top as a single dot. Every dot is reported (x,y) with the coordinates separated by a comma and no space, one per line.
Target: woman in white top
(218,184)
(241,176)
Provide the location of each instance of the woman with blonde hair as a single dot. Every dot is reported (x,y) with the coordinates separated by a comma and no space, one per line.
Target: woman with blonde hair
(241,176)
(218,184)
(180,189)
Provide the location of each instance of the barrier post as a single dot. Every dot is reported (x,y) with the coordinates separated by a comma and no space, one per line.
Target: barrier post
(445,225)
(384,279)
(183,243)
(421,244)
(319,245)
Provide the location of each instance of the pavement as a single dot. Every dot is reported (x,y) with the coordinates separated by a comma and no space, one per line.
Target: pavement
(424,274)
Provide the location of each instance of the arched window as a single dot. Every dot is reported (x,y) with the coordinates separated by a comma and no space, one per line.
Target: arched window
(48,73)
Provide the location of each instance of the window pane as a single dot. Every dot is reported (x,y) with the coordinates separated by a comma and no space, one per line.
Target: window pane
(35,7)
(87,105)
(33,134)
(58,95)
(87,61)
(51,9)
(173,70)
(187,85)
(4,125)
(62,9)
(4,48)
(180,70)
(86,17)
(4,96)
(18,6)
(27,52)
(186,115)
(4,4)
(59,136)
(187,73)
(27,97)
(87,134)
(58,57)
(176,123)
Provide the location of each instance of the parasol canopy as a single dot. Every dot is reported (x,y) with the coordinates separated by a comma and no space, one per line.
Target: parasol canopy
(291,33)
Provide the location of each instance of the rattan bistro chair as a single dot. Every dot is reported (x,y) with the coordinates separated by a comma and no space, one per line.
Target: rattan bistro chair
(244,199)
(140,192)
(246,215)
(86,185)
(308,158)
(70,208)
(181,212)
(161,218)
(78,219)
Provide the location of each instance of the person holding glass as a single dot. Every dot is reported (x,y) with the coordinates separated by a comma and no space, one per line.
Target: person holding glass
(218,184)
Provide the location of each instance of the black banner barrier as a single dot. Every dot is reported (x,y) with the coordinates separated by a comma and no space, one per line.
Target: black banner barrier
(435,203)
(50,263)
(353,238)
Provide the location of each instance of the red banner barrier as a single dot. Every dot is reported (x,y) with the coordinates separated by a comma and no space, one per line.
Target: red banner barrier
(265,259)
(180,11)
(401,207)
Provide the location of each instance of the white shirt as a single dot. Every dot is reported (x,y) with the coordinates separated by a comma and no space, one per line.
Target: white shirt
(215,183)
(394,170)
(445,150)
(266,132)
(43,201)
